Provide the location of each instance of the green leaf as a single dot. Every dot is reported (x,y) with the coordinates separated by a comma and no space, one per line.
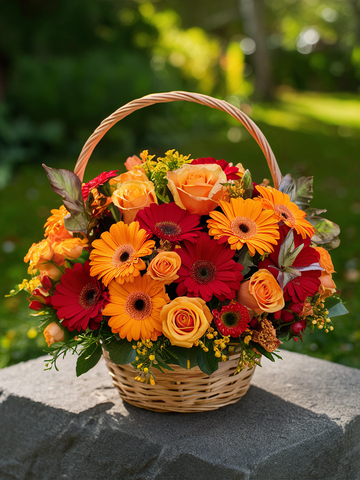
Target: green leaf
(187,357)
(245,260)
(68,186)
(77,222)
(247,184)
(262,350)
(207,361)
(325,230)
(120,351)
(300,190)
(334,243)
(88,359)
(338,310)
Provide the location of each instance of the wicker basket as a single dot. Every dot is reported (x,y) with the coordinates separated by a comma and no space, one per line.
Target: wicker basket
(181,390)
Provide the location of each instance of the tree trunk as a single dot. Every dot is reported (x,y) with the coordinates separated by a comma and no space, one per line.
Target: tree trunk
(252,13)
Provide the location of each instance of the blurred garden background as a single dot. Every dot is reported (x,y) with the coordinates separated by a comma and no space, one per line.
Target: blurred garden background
(292,65)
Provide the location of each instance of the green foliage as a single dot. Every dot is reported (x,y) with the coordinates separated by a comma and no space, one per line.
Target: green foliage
(88,358)
(120,351)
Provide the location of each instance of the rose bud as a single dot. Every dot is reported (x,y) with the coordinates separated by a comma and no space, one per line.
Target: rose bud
(298,327)
(53,333)
(36,305)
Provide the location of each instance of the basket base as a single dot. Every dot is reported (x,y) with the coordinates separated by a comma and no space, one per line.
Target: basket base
(182,390)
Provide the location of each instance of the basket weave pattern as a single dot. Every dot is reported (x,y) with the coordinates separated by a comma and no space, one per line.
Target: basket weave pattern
(182,390)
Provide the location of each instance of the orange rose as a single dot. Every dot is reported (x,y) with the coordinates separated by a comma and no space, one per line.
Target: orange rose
(39,257)
(70,248)
(325,261)
(53,333)
(197,188)
(134,174)
(185,320)
(261,293)
(132,196)
(164,267)
(327,286)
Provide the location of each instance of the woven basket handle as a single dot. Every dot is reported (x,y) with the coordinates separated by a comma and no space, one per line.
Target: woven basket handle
(166,97)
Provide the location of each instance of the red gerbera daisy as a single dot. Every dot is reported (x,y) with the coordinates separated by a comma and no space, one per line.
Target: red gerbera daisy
(79,299)
(208,269)
(232,319)
(299,276)
(228,168)
(169,222)
(96,182)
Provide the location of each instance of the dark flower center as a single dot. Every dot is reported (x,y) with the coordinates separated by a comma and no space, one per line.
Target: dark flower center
(243,227)
(124,256)
(89,296)
(139,304)
(284,215)
(167,229)
(203,272)
(230,319)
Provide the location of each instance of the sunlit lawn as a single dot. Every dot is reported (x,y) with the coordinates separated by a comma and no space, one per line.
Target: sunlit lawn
(310,134)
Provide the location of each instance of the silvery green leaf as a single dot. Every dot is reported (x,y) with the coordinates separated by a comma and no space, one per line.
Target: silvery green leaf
(287,184)
(334,243)
(77,222)
(303,192)
(311,212)
(308,268)
(299,190)
(247,184)
(338,310)
(286,248)
(291,256)
(245,260)
(325,230)
(286,276)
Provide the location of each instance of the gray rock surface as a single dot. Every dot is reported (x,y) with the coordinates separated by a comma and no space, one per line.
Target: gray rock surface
(299,420)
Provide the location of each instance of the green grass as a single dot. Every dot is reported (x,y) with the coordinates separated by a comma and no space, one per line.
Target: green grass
(310,134)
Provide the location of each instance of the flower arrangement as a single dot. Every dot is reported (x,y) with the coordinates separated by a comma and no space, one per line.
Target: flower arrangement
(183,262)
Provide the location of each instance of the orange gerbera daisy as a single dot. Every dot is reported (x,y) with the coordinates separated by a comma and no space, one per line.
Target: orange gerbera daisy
(244,222)
(55,223)
(286,210)
(135,308)
(117,253)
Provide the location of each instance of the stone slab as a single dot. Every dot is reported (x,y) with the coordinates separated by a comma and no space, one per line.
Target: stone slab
(299,420)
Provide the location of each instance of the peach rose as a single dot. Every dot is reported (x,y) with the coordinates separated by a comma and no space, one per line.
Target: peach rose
(132,161)
(132,196)
(185,320)
(39,257)
(164,267)
(197,188)
(325,261)
(327,286)
(134,174)
(70,248)
(261,293)
(53,333)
